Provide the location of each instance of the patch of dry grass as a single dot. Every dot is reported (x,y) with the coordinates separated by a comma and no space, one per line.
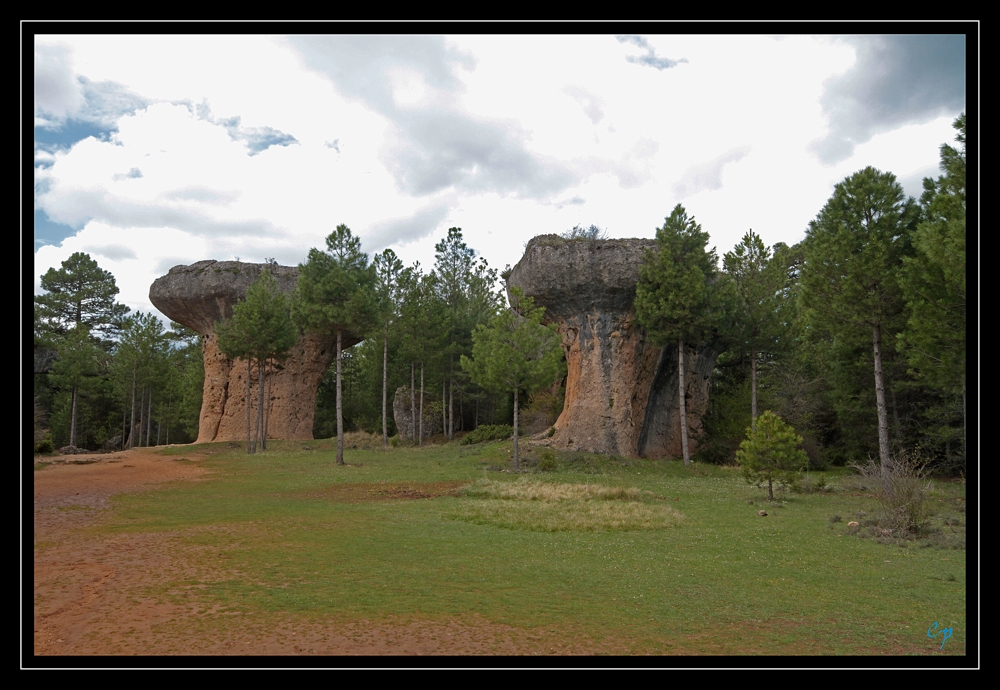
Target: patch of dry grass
(549,507)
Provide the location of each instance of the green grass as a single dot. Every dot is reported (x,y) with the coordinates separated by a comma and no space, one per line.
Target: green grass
(289,531)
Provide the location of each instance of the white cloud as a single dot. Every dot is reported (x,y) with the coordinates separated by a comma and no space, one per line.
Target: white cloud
(402,137)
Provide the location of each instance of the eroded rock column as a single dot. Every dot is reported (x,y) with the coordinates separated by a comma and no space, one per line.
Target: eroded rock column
(621,389)
(200,295)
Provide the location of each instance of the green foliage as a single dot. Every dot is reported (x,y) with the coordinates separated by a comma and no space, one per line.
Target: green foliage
(80,292)
(43,446)
(849,285)
(678,295)
(771,452)
(335,291)
(260,328)
(933,285)
(516,352)
(488,432)
(260,332)
(854,249)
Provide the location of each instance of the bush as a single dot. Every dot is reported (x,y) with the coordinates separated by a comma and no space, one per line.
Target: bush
(807,484)
(900,489)
(547,461)
(489,432)
(44,446)
(771,452)
(578,232)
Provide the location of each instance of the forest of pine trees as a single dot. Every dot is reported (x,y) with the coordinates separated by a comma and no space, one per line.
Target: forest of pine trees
(855,336)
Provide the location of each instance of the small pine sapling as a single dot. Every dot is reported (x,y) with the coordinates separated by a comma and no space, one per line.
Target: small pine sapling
(772,451)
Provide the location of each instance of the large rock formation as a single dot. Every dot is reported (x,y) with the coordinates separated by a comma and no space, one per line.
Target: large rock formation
(204,293)
(621,389)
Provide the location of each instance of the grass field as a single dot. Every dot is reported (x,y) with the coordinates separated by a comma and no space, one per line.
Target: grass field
(650,557)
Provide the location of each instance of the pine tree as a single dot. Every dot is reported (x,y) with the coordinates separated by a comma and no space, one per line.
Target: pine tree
(933,284)
(679,297)
(771,451)
(854,249)
(260,332)
(76,368)
(515,353)
(336,293)
(80,292)
(387,271)
(757,286)
(453,265)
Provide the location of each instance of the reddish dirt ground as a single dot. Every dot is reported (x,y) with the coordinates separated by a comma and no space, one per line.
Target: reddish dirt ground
(90,589)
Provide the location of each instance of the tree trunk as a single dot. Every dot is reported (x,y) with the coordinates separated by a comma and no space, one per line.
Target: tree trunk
(451,390)
(385,391)
(131,441)
(964,449)
(420,435)
(142,412)
(753,390)
(270,390)
(340,407)
(413,403)
(883,418)
(683,403)
(260,404)
(516,465)
(444,407)
(249,447)
(72,423)
(167,440)
(770,489)
(149,415)
(897,427)
(124,424)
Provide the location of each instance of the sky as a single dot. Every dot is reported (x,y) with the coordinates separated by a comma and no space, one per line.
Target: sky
(157,150)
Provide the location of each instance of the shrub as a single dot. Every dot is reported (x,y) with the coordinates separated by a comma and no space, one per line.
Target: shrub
(900,489)
(547,461)
(771,452)
(807,484)
(44,446)
(578,232)
(489,432)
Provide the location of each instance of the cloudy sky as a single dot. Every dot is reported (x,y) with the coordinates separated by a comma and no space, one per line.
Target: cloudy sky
(157,150)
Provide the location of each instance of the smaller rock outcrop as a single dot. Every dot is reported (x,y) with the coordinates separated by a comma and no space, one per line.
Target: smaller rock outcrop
(401,413)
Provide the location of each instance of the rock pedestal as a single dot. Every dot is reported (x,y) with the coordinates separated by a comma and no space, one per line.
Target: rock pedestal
(621,388)
(200,295)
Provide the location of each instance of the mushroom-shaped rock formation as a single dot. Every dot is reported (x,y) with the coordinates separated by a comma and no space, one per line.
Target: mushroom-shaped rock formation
(204,293)
(621,389)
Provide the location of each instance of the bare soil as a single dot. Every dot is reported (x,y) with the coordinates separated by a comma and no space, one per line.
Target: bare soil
(95,591)
(91,589)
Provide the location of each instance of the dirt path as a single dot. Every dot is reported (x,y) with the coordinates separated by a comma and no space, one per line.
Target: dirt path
(91,591)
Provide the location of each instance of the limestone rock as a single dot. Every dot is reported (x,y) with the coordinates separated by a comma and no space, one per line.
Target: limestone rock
(621,389)
(200,295)
(404,419)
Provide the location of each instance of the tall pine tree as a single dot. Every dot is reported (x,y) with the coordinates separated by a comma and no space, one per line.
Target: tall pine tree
(678,297)
(854,250)
(336,294)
